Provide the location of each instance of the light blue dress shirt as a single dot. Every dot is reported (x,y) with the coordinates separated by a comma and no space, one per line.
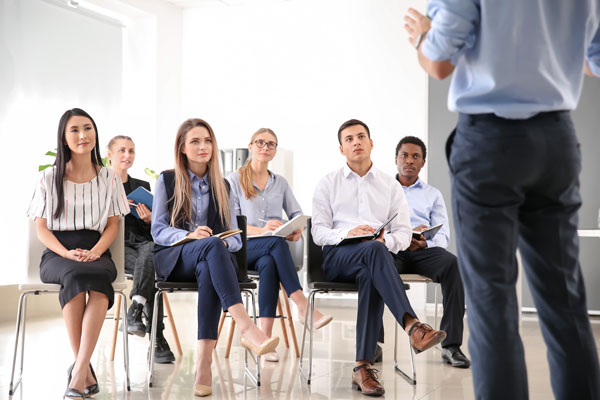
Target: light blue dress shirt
(427,207)
(266,205)
(514,58)
(165,234)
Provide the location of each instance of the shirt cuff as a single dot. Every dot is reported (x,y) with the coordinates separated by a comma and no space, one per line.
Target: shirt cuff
(595,68)
(178,236)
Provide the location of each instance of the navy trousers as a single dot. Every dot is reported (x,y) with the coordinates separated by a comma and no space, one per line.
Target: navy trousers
(271,257)
(371,266)
(208,262)
(441,266)
(515,183)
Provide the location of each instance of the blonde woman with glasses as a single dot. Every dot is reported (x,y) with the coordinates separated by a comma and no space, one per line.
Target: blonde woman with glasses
(262,197)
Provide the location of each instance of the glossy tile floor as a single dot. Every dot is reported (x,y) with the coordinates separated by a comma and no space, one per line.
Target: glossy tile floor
(48,355)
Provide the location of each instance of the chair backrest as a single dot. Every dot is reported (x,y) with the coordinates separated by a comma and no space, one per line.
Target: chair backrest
(241,255)
(34,254)
(297,252)
(314,271)
(35,249)
(117,251)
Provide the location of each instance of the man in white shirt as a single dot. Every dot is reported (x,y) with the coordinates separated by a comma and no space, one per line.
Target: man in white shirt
(429,257)
(352,201)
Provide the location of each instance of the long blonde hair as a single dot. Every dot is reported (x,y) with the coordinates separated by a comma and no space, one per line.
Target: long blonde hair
(182,195)
(246,170)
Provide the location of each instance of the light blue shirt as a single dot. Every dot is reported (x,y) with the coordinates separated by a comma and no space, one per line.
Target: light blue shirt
(427,207)
(514,58)
(270,204)
(165,234)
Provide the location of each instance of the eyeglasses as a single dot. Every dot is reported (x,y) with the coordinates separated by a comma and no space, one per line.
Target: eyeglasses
(261,143)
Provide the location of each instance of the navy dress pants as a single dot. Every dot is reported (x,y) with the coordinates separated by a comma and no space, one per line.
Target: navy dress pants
(271,257)
(371,266)
(515,184)
(441,266)
(208,262)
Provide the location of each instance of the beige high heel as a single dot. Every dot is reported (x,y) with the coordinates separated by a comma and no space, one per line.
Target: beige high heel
(267,346)
(202,390)
(321,322)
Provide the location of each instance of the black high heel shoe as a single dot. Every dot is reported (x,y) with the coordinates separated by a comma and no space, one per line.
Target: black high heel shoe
(71,393)
(93,388)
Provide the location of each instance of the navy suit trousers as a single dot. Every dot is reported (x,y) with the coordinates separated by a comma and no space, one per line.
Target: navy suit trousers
(515,184)
(371,266)
(208,262)
(271,257)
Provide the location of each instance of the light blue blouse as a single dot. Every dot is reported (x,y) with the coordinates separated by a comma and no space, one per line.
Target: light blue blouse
(165,234)
(266,205)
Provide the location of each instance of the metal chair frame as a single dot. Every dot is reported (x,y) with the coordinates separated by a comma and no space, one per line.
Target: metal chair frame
(36,287)
(247,288)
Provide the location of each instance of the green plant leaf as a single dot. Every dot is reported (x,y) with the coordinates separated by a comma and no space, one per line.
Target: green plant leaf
(51,153)
(43,167)
(151,173)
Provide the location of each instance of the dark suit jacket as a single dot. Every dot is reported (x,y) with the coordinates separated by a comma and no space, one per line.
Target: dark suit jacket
(166,257)
(136,230)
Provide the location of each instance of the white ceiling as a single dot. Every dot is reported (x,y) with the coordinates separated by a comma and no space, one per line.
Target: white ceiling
(198,3)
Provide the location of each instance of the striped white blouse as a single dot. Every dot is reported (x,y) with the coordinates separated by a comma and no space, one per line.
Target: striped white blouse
(87,205)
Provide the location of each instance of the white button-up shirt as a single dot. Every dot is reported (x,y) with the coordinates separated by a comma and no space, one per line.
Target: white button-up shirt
(344,200)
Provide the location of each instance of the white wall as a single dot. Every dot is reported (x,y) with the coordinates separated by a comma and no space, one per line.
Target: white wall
(52,59)
(302,68)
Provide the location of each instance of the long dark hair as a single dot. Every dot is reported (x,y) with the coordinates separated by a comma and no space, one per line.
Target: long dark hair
(63,155)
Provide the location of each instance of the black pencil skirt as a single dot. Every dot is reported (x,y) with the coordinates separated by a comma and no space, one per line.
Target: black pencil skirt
(75,277)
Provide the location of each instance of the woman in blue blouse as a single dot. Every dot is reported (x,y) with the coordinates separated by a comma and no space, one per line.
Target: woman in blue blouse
(192,200)
(261,196)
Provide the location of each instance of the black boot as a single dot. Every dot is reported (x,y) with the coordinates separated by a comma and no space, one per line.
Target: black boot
(162,351)
(135,325)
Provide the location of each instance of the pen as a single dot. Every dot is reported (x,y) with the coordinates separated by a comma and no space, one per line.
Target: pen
(263,220)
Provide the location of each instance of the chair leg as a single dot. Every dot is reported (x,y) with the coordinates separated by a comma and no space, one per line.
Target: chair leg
(19,336)
(172,323)
(435,319)
(125,338)
(290,321)
(412,380)
(153,338)
(221,322)
(230,338)
(115,328)
(282,320)
(254,378)
(311,306)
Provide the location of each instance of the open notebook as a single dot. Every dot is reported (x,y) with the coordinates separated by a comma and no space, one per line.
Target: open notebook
(428,233)
(222,235)
(370,236)
(298,222)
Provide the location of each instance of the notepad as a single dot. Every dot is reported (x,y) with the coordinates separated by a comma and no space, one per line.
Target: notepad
(140,195)
(370,236)
(298,222)
(428,233)
(222,235)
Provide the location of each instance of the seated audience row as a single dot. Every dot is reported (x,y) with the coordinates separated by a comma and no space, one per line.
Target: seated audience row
(77,204)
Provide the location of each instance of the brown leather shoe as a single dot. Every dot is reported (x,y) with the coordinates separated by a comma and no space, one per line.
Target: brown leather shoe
(364,378)
(423,336)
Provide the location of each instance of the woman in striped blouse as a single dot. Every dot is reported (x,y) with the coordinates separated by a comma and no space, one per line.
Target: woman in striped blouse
(77,205)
